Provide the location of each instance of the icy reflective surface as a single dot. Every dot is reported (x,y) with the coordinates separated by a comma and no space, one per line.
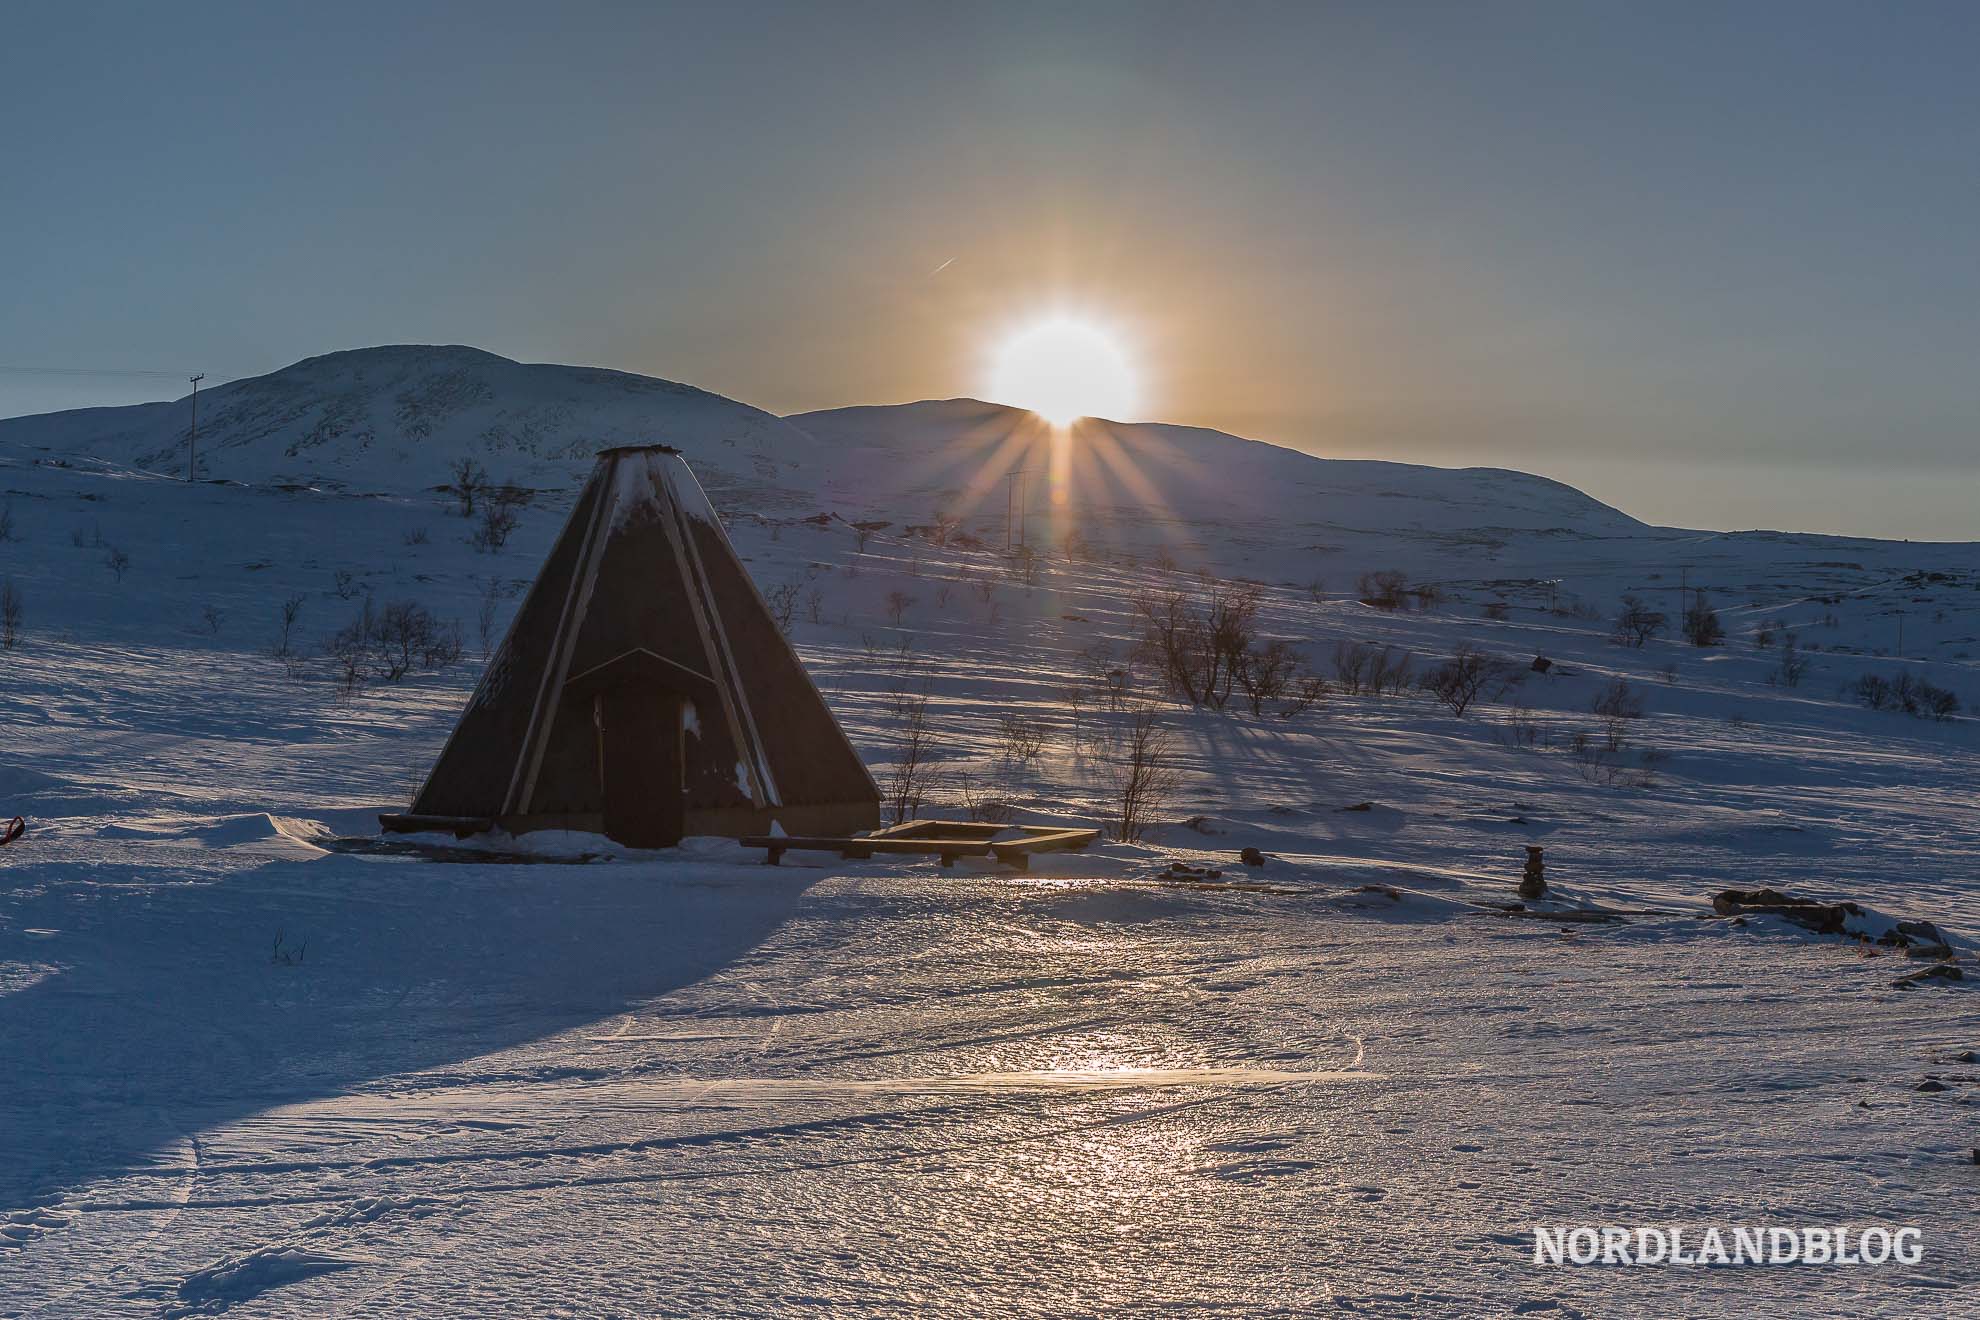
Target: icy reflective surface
(643,1089)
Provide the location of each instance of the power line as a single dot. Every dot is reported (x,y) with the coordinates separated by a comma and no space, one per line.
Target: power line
(96,371)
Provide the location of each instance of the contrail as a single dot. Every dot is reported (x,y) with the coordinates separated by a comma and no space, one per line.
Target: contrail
(939,269)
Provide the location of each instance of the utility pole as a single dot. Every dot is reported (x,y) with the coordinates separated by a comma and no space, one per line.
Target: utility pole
(1021,495)
(1684,585)
(1900,615)
(192,436)
(1010,503)
(1014,496)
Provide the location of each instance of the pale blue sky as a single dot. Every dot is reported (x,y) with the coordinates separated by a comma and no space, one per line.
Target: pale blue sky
(1714,263)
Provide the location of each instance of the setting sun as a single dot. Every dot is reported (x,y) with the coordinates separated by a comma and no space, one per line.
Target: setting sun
(1064,368)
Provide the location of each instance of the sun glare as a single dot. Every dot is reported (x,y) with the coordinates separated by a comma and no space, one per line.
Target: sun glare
(1064,368)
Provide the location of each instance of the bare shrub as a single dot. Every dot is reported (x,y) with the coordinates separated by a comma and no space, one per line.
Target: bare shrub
(210,619)
(1075,696)
(117,562)
(1636,623)
(1275,680)
(1904,691)
(1373,671)
(1200,650)
(1386,589)
(862,533)
(1392,671)
(390,643)
(470,479)
(1521,728)
(1351,665)
(908,784)
(907,679)
(1094,661)
(1140,773)
(1603,762)
(417,536)
(285,954)
(1617,704)
(407,636)
(12,609)
(1701,623)
(984,799)
(1265,672)
(6,522)
(344,583)
(291,610)
(943,590)
(1024,565)
(1791,666)
(501,513)
(1459,681)
(484,615)
(814,603)
(1618,700)
(1307,692)
(349,651)
(1020,739)
(898,603)
(783,603)
(1497,611)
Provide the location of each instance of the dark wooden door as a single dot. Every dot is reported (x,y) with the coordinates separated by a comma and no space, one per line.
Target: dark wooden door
(641,760)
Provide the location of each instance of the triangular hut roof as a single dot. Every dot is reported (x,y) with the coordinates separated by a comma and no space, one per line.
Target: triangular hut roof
(644,591)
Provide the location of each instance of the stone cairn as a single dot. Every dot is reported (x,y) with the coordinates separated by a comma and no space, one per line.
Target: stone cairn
(1534,883)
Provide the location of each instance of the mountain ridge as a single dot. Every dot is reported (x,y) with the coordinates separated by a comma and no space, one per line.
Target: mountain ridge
(401,416)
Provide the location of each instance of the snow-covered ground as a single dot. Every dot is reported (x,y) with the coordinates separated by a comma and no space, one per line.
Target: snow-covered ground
(248,1069)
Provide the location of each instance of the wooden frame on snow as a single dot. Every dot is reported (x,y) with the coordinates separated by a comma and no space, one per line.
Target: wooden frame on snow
(947,839)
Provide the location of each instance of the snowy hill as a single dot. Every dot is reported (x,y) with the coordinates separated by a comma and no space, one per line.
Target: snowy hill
(1204,499)
(1123,471)
(398,417)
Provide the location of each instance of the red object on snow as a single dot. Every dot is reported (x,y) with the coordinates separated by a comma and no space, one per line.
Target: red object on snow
(15,829)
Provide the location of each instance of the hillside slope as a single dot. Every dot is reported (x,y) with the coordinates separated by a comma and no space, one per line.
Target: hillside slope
(1198,497)
(398,417)
(967,445)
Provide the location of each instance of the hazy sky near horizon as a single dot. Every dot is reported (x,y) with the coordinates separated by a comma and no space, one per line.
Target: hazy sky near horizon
(1713,263)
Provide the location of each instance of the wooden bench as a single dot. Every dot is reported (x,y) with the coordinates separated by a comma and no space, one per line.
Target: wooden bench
(946,839)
